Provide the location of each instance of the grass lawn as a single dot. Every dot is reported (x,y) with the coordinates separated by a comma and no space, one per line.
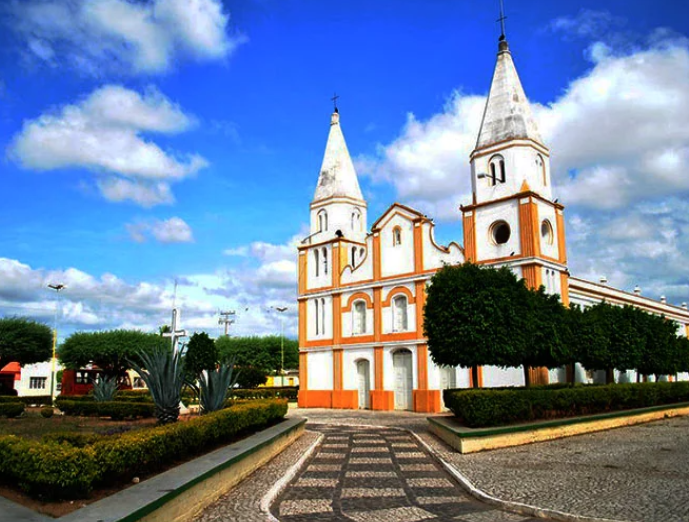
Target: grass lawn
(33,426)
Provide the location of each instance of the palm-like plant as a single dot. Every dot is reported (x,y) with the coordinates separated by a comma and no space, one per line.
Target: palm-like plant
(163,373)
(214,385)
(104,388)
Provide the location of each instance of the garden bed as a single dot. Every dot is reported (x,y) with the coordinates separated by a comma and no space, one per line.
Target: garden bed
(83,468)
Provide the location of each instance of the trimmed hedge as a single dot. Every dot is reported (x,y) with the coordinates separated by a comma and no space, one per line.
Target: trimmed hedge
(11,409)
(70,466)
(477,408)
(284,392)
(38,400)
(116,410)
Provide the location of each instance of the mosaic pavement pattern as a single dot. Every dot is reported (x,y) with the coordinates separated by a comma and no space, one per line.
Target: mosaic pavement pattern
(377,475)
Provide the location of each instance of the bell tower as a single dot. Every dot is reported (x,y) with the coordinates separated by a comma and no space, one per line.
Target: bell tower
(513,219)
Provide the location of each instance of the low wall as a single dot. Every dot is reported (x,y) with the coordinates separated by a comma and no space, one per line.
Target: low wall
(467,440)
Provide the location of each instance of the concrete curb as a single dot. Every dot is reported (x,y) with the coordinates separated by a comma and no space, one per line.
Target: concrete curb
(281,484)
(515,507)
(164,496)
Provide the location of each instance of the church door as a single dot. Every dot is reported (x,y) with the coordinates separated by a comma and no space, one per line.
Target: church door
(402,365)
(364,376)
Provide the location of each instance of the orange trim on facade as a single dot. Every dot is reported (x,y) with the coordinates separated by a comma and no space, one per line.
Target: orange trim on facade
(382,400)
(378,367)
(561,245)
(359,339)
(400,336)
(430,272)
(337,267)
(377,271)
(564,288)
(426,401)
(420,290)
(337,319)
(377,314)
(418,246)
(303,271)
(303,371)
(345,399)
(337,369)
(398,290)
(315,398)
(533,275)
(358,296)
(686,327)
(520,195)
(422,365)
(302,323)
(317,343)
(528,227)
(469,229)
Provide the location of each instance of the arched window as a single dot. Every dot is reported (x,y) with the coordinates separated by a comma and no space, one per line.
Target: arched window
(322,315)
(540,165)
(325,261)
(356,220)
(547,232)
(353,256)
(317,261)
(318,315)
(399,314)
(497,170)
(322,221)
(359,318)
(396,236)
(361,253)
(500,233)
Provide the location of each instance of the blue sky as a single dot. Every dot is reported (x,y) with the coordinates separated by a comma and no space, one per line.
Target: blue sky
(156,139)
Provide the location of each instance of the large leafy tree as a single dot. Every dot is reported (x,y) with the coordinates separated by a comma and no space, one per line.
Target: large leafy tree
(262,353)
(476,316)
(661,352)
(201,354)
(24,341)
(109,350)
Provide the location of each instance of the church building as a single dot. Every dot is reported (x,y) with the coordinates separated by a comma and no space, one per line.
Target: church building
(361,291)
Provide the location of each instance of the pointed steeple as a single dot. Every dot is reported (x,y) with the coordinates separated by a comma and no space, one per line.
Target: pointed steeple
(507,114)
(337,177)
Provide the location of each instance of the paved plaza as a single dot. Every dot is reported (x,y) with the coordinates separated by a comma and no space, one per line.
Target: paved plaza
(364,471)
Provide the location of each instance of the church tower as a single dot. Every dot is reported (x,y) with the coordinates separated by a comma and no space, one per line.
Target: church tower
(338,208)
(513,219)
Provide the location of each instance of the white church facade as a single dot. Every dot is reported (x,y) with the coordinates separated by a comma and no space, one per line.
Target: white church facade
(361,292)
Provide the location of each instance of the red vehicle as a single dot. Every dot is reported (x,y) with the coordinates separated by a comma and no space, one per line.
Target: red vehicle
(80,382)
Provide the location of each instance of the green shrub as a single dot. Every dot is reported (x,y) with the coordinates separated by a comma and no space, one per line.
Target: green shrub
(68,465)
(38,400)
(47,412)
(133,396)
(11,409)
(494,407)
(116,410)
(283,392)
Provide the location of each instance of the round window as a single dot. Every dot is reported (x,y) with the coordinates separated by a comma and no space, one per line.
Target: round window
(547,232)
(500,231)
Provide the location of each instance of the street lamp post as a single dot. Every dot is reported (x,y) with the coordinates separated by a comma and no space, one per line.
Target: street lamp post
(281,309)
(57,287)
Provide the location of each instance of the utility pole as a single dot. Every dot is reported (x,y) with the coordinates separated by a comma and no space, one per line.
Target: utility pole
(225,319)
(57,287)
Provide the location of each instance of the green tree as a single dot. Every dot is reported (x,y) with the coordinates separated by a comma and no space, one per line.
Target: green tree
(250,377)
(262,353)
(547,335)
(24,341)
(660,353)
(476,316)
(109,350)
(201,354)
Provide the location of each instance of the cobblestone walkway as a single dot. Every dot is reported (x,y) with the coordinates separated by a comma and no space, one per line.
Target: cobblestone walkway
(367,474)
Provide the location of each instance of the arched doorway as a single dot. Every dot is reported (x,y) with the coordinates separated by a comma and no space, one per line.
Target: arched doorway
(363,371)
(402,366)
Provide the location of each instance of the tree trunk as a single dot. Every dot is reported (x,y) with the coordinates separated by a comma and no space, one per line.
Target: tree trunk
(527,376)
(610,376)
(638,377)
(474,377)
(571,373)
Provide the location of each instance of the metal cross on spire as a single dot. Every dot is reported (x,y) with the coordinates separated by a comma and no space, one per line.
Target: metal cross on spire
(334,99)
(502,21)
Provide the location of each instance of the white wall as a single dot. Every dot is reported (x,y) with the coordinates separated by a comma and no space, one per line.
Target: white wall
(36,370)
(494,376)
(507,211)
(547,212)
(397,259)
(320,374)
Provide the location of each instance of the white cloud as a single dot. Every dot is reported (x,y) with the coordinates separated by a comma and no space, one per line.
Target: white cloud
(173,230)
(148,36)
(104,133)
(618,137)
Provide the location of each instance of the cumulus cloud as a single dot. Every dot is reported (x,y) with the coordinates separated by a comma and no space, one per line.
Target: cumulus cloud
(106,133)
(173,230)
(96,36)
(618,137)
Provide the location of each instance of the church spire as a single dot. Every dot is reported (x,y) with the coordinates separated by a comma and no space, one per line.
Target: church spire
(337,176)
(507,114)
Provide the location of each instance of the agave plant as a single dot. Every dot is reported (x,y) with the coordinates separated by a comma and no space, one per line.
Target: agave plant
(163,373)
(104,388)
(214,385)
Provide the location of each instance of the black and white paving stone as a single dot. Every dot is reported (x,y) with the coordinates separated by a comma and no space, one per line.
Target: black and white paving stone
(367,474)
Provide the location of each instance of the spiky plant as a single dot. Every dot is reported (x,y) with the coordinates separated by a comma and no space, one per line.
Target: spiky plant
(214,385)
(104,388)
(163,373)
